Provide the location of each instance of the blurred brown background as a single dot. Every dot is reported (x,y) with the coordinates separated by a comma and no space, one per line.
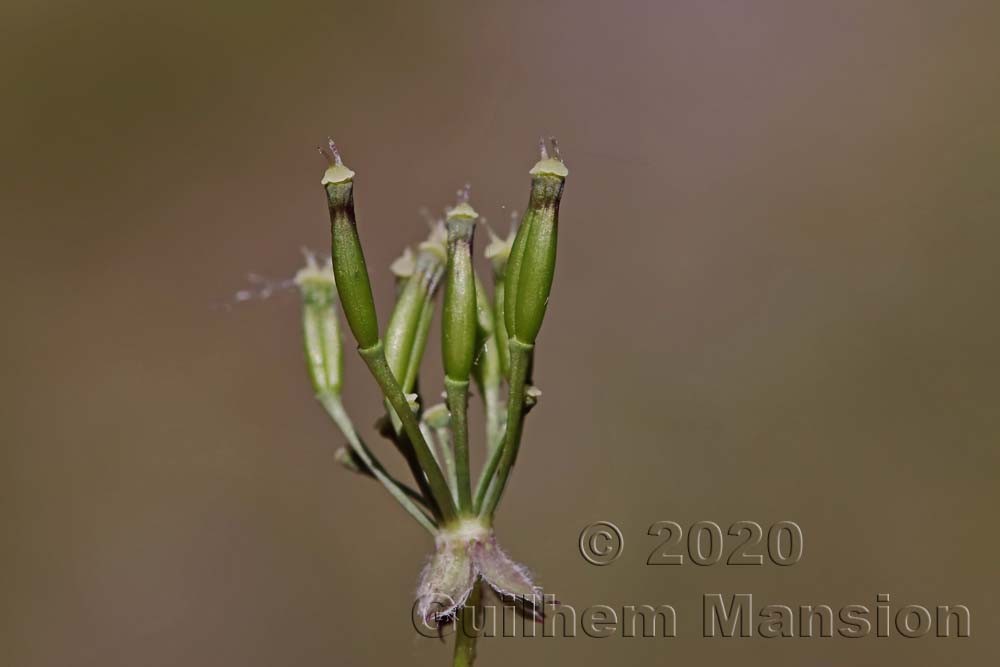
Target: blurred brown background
(776,300)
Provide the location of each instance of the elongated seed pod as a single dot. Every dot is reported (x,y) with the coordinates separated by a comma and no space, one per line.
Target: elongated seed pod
(458,320)
(533,257)
(487,364)
(409,381)
(406,334)
(320,329)
(487,371)
(513,275)
(498,252)
(349,266)
(402,328)
(458,339)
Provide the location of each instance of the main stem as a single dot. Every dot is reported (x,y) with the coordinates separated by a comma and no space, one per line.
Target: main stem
(520,355)
(374,357)
(458,404)
(467,630)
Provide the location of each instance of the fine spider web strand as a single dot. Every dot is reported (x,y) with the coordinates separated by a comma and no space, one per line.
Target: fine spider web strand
(263,288)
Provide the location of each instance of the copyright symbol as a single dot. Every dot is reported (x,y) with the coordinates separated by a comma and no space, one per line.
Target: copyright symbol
(601,543)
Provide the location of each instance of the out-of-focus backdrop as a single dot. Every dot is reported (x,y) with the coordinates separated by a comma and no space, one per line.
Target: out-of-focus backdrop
(776,299)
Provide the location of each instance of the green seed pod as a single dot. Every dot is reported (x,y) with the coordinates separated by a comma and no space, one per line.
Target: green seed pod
(458,323)
(406,335)
(487,366)
(498,249)
(533,256)
(513,271)
(431,262)
(498,252)
(348,258)
(320,329)
(402,328)
(487,370)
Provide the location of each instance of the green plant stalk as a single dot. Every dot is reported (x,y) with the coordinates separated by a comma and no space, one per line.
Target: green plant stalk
(431,441)
(357,466)
(374,357)
(419,344)
(466,630)
(448,458)
(457,392)
(440,442)
(340,417)
(493,366)
(486,370)
(520,357)
(486,477)
(500,325)
(405,449)
(494,433)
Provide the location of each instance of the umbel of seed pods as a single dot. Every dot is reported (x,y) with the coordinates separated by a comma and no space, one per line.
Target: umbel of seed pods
(486,341)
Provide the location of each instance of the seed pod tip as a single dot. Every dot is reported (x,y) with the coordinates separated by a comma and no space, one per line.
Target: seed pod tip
(337,172)
(404,265)
(314,273)
(549,165)
(462,210)
(437,416)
